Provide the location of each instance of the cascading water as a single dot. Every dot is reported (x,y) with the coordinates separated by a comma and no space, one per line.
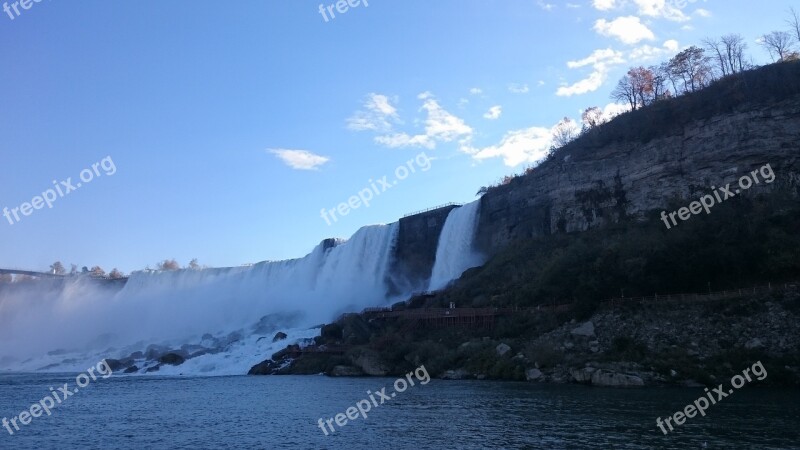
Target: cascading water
(78,320)
(455,252)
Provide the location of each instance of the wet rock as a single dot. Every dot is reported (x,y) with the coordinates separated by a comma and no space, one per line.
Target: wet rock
(533,374)
(502,349)
(587,330)
(131,369)
(753,344)
(279,336)
(614,379)
(172,359)
(459,374)
(268,367)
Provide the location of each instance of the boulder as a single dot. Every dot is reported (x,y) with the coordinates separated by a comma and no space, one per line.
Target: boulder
(587,330)
(753,344)
(608,378)
(502,349)
(583,376)
(268,367)
(131,369)
(533,374)
(172,359)
(370,364)
(279,336)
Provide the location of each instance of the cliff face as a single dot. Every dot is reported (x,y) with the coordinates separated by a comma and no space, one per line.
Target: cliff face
(415,254)
(588,186)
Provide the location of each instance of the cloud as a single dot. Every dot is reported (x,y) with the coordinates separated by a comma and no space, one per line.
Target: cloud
(517,147)
(440,126)
(493,113)
(378,114)
(299,159)
(476,91)
(702,12)
(661,9)
(647,52)
(604,5)
(515,88)
(601,61)
(627,29)
(545,6)
(573,5)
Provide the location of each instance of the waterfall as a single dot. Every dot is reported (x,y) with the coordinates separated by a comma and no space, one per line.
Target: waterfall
(455,252)
(78,316)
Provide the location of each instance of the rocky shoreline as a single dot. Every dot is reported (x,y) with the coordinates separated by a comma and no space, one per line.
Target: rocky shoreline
(635,345)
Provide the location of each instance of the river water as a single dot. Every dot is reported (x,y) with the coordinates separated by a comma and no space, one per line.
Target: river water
(143,412)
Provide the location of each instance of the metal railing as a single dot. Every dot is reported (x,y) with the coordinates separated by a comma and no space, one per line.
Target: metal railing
(446,205)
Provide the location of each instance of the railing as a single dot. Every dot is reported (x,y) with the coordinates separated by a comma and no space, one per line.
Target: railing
(433,209)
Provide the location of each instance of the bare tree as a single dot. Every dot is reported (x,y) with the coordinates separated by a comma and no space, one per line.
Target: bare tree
(115,274)
(735,46)
(565,132)
(57,268)
(626,92)
(193,264)
(778,43)
(794,23)
(660,79)
(715,46)
(169,264)
(592,117)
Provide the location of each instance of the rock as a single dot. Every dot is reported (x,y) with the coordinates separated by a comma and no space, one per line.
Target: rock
(502,349)
(172,359)
(587,330)
(459,374)
(370,364)
(582,375)
(131,369)
(115,365)
(481,376)
(152,369)
(569,345)
(279,336)
(346,371)
(614,379)
(533,374)
(268,367)
(753,344)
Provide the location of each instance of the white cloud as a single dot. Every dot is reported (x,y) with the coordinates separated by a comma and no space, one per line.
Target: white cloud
(440,126)
(661,9)
(493,113)
(612,110)
(299,159)
(378,114)
(702,12)
(517,147)
(545,6)
(515,88)
(573,5)
(604,5)
(476,91)
(647,52)
(601,61)
(628,29)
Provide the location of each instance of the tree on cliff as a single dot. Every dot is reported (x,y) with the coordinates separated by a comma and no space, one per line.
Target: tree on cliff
(169,264)
(564,132)
(97,271)
(115,274)
(194,265)
(794,23)
(729,51)
(57,268)
(592,117)
(692,68)
(778,43)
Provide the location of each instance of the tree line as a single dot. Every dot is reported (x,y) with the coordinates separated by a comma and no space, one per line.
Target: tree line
(57,268)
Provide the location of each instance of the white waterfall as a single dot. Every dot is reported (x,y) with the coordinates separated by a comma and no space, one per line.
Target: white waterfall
(455,252)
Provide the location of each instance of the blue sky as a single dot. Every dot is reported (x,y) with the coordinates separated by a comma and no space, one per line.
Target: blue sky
(232,124)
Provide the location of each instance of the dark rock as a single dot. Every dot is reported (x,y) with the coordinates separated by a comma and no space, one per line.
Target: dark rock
(131,369)
(279,336)
(268,367)
(172,359)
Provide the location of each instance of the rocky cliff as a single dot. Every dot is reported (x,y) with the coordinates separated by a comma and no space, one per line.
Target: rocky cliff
(592,182)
